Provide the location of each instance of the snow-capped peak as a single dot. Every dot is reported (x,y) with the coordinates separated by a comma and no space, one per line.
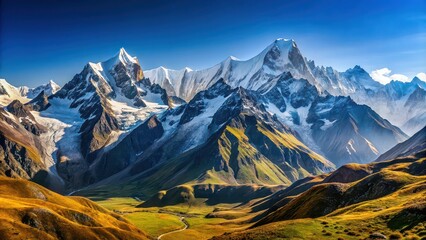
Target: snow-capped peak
(49,88)
(281,45)
(5,87)
(53,86)
(187,69)
(284,45)
(285,41)
(125,57)
(232,58)
(280,56)
(52,83)
(8,93)
(116,68)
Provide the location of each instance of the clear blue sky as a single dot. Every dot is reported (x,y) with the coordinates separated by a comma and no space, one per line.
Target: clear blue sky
(51,39)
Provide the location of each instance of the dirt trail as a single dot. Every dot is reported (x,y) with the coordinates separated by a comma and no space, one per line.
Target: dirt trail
(182,219)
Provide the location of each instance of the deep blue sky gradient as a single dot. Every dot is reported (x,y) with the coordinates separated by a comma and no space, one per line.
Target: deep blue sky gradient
(51,39)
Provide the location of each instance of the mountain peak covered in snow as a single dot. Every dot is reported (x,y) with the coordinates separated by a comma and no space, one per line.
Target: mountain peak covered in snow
(281,45)
(285,43)
(121,57)
(282,55)
(8,93)
(125,57)
(49,88)
(51,82)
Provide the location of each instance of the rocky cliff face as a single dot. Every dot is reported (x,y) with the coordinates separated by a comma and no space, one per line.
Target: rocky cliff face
(39,103)
(126,151)
(19,148)
(22,112)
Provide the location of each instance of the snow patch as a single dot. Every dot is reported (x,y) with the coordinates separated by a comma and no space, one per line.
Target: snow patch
(63,124)
(327,124)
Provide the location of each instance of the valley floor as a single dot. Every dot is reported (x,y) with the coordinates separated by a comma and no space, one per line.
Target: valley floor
(396,216)
(165,221)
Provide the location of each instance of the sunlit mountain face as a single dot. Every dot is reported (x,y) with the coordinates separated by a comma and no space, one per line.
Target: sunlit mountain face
(273,146)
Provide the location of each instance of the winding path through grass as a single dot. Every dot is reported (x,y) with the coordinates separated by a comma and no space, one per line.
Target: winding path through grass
(182,219)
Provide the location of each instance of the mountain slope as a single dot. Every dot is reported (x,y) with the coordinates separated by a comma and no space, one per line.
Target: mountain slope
(381,198)
(22,147)
(337,127)
(31,211)
(296,101)
(325,198)
(407,99)
(235,141)
(19,149)
(411,146)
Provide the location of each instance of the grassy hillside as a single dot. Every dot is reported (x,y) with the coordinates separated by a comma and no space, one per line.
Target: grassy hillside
(396,216)
(385,199)
(29,211)
(211,194)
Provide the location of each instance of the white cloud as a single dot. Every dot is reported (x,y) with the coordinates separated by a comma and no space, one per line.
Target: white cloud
(422,76)
(400,77)
(383,76)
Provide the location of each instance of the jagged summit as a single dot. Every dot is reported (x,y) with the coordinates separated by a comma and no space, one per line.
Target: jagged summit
(125,57)
(120,57)
(419,82)
(256,73)
(284,43)
(284,40)
(232,58)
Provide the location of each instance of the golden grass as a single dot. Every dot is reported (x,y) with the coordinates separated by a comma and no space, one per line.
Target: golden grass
(357,221)
(27,209)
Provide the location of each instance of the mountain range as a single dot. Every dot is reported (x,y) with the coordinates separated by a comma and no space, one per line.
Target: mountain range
(276,134)
(272,119)
(283,55)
